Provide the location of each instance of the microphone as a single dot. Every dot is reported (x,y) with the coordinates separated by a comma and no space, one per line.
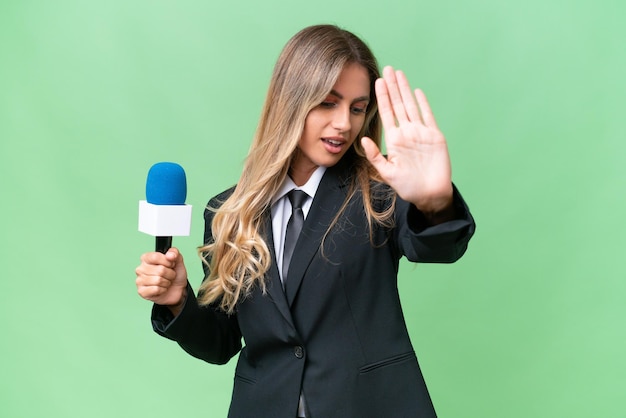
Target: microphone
(164,213)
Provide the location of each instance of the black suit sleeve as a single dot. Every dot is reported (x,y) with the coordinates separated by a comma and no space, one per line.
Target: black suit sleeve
(443,243)
(205,332)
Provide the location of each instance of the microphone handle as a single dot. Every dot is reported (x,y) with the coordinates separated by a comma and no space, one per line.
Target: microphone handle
(163,244)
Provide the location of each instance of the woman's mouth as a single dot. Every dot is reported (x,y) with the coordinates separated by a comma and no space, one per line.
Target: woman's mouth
(333,145)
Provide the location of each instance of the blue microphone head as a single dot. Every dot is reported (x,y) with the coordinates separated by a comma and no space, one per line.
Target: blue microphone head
(166,184)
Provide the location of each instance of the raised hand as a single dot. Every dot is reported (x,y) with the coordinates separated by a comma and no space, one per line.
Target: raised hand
(162,279)
(417,165)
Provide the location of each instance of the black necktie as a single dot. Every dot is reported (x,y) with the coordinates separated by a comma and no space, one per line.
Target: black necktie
(294,226)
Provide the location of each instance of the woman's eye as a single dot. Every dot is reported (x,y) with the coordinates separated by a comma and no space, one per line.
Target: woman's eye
(359,110)
(327,104)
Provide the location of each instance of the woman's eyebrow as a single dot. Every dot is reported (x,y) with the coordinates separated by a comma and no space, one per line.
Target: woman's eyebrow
(358,99)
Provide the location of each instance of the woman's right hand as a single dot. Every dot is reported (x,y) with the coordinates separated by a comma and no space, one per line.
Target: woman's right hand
(162,279)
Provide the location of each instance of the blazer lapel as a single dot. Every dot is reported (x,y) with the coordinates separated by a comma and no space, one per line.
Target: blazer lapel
(274,285)
(328,199)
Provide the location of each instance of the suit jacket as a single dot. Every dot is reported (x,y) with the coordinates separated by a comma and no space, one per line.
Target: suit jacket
(337,333)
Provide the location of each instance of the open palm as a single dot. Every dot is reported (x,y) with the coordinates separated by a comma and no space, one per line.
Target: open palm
(417,165)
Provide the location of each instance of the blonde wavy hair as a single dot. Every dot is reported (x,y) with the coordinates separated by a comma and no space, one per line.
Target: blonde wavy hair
(306,71)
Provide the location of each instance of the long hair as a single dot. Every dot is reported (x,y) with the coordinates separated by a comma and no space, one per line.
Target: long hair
(306,71)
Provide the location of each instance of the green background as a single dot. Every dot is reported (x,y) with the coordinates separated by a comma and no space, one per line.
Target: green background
(530,95)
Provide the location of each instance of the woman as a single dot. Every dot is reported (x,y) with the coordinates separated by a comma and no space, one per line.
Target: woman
(322,322)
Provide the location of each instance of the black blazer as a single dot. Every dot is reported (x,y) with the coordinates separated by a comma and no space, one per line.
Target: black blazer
(338,333)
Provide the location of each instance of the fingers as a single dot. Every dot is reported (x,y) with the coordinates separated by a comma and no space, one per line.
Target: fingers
(427,113)
(158,278)
(395,99)
(374,156)
(151,292)
(410,106)
(394,95)
(384,104)
(157,259)
(157,272)
(397,103)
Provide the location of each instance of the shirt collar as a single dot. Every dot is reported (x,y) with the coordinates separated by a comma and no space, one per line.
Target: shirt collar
(310,187)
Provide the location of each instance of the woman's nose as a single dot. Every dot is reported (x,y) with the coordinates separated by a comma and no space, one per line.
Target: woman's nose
(341,119)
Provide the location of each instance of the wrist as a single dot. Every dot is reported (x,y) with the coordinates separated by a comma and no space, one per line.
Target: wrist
(178,307)
(437,211)
(440,216)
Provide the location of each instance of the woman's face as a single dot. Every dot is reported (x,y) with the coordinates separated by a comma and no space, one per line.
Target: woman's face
(332,126)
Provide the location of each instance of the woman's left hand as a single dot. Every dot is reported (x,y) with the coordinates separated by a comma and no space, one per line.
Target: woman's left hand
(417,165)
